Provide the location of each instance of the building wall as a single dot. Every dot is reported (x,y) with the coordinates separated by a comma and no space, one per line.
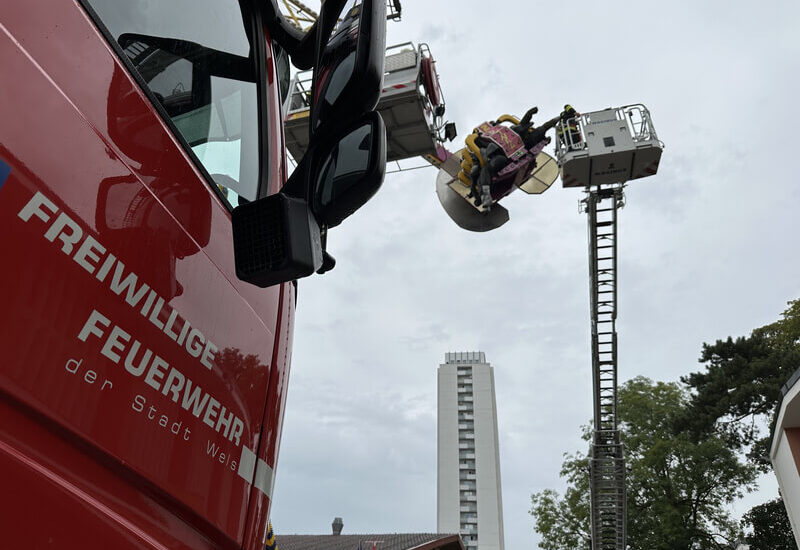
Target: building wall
(487,458)
(785,468)
(469,490)
(785,452)
(447,492)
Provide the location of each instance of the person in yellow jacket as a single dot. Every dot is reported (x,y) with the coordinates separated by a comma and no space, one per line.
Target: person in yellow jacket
(568,131)
(269,542)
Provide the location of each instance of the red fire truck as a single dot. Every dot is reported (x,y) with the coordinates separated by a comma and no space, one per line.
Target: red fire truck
(151,242)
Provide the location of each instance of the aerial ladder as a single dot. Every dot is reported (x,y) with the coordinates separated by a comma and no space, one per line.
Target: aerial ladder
(600,151)
(607,456)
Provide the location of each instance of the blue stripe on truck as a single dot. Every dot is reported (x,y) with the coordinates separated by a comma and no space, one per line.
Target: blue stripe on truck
(5,170)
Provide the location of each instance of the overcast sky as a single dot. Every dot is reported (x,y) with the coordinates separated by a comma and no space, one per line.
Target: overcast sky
(706,250)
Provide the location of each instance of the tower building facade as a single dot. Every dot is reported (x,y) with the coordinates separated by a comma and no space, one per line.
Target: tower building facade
(469,498)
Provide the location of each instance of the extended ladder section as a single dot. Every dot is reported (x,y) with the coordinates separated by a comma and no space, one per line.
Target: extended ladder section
(607,460)
(411,104)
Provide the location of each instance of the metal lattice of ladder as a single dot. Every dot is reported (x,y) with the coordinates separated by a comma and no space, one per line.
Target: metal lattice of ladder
(607,459)
(299,14)
(302,16)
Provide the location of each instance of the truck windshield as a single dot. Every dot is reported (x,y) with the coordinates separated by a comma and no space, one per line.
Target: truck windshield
(197,58)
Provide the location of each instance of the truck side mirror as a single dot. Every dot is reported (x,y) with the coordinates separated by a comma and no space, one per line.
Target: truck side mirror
(278,238)
(281,237)
(348,74)
(350,172)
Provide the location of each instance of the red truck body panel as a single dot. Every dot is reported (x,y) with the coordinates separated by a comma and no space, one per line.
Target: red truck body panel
(143,385)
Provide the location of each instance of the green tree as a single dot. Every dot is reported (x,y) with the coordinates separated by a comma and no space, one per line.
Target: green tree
(564,522)
(678,487)
(770,527)
(737,393)
(736,396)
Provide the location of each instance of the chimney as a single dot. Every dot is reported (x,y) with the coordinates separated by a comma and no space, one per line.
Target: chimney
(337,526)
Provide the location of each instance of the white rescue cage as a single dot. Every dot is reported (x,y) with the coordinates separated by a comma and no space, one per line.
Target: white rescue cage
(411,104)
(614,145)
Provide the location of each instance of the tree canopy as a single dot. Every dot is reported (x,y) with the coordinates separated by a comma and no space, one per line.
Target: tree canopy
(678,488)
(770,527)
(737,393)
(685,448)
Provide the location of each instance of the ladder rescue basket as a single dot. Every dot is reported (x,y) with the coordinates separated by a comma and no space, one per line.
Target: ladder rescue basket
(609,146)
(411,104)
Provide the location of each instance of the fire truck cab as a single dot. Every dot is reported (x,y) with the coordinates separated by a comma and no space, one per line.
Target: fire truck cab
(143,188)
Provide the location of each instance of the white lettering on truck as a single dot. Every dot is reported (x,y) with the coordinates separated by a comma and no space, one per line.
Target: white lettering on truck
(126,284)
(117,343)
(193,399)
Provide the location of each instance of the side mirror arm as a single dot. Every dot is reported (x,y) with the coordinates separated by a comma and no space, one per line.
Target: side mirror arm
(301,46)
(297,188)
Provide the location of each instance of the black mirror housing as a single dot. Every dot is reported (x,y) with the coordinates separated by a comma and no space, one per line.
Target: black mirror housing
(349,170)
(278,238)
(349,73)
(275,240)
